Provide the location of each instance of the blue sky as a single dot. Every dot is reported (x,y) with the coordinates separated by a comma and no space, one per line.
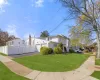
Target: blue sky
(24,17)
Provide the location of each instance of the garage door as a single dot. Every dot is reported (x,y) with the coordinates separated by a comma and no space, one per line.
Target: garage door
(38,46)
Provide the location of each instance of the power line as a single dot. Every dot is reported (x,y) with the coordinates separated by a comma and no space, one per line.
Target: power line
(57,26)
(60,24)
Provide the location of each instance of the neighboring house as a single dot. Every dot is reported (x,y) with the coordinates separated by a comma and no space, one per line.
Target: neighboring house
(16,42)
(32,44)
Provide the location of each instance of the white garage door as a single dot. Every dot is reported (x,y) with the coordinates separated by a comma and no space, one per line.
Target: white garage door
(38,46)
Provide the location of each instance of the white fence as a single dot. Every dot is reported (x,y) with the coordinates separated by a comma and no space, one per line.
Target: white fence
(4,49)
(16,49)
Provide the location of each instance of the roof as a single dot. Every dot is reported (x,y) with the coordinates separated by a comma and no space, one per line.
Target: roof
(51,37)
(15,39)
(59,36)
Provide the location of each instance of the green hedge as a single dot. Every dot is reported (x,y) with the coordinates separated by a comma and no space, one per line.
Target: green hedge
(46,50)
(57,50)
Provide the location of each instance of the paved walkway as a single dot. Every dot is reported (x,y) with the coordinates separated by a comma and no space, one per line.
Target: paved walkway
(97,68)
(82,73)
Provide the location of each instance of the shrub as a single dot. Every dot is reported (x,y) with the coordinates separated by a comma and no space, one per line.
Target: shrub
(46,50)
(50,50)
(57,50)
(41,48)
(60,45)
(86,51)
(71,51)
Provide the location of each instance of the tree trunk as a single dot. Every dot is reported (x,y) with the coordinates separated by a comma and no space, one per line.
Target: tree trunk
(98,44)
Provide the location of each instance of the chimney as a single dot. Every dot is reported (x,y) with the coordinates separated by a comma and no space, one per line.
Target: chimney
(30,40)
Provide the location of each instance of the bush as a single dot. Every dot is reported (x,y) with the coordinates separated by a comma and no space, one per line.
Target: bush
(85,51)
(46,50)
(60,45)
(50,50)
(71,51)
(57,50)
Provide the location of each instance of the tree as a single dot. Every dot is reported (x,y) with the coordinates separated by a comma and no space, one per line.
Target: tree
(4,37)
(11,37)
(89,10)
(79,36)
(44,34)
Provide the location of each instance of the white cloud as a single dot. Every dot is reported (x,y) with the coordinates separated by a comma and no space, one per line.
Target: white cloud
(11,29)
(38,3)
(2,5)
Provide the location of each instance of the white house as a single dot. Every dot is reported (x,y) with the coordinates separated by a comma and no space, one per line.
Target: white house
(50,42)
(16,42)
(32,44)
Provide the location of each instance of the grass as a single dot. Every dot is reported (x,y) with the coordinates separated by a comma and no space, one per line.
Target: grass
(97,62)
(53,63)
(6,74)
(96,74)
(3,54)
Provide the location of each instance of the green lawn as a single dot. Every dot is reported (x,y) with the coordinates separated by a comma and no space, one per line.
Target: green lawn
(96,74)
(97,62)
(6,74)
(3,54)
(53,63)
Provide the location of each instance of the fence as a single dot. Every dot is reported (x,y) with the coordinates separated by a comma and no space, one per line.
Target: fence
(4,49)
(16,49)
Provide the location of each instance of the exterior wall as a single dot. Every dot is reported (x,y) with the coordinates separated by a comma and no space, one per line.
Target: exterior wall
(52,45)
(37,43)
(16,42)
(40,43)
(54,39)
(62,40)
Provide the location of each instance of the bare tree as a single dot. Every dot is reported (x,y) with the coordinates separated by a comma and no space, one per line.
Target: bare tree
(90,10)
(4,37)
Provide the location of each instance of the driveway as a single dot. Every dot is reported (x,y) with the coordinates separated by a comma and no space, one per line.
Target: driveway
(24,54)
